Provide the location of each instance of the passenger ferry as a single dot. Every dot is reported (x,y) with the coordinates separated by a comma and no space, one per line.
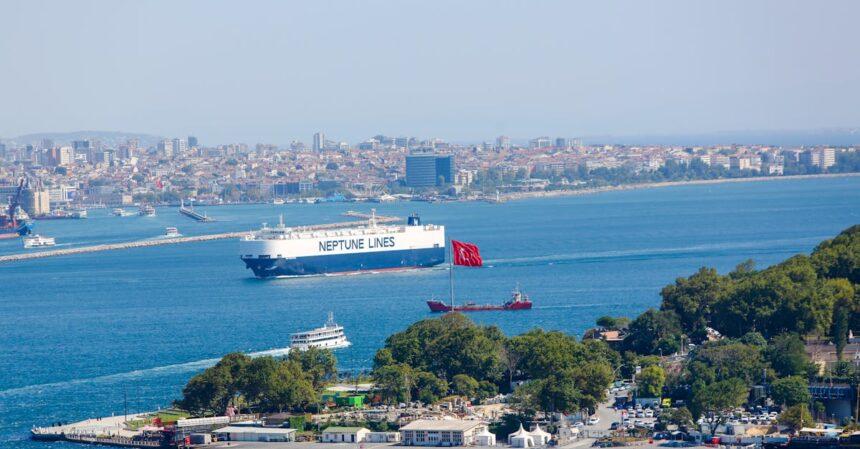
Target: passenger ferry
(171,232)
(330,336)
(120,212)
(281,251)
(145,210)
(37,241)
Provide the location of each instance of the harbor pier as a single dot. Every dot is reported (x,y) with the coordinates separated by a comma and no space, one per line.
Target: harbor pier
(188,239)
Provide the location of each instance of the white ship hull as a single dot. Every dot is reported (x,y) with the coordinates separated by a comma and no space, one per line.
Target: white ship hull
(342,251)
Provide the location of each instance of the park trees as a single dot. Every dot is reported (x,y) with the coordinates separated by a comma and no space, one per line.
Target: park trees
(717,399)
(790,391)
(650,381)
(796,417)
(654,332)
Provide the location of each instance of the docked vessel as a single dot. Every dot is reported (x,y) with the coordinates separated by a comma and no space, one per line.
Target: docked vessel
(278,201)
(518,301)
(189,212)
(120,212)
(145,210)
(330,336)
(170,232)
(15,222)
(38,241)
(282,251)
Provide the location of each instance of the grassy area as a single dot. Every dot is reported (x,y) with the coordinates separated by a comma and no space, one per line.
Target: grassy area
(167,416)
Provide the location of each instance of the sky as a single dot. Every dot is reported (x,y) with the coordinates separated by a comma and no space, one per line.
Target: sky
(273,71)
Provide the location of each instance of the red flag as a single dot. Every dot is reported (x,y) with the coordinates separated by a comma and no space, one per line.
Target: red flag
(466,254)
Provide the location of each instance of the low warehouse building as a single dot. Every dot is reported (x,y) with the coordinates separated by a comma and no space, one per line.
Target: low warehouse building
(383,437)
(337,434)
(445,432)
(268,434)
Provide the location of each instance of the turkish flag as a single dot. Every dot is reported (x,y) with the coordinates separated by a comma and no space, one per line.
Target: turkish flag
(466,254)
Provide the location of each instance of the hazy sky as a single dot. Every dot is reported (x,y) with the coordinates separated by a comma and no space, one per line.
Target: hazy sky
(269,71)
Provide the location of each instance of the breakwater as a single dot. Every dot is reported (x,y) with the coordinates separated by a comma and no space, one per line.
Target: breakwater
(178,240)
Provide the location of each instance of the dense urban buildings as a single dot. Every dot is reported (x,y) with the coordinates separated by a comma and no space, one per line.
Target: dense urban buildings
(89,170)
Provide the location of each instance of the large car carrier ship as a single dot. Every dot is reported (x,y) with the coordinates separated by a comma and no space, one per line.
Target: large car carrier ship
(281,251)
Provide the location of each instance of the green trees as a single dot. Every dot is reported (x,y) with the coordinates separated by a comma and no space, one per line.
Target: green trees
(650,382)
(693,298)
(264,383)
(790,391)
(804,294)
(787,355)
(448,346)
(717,399)
(433,355)
(796,417)
(654,332)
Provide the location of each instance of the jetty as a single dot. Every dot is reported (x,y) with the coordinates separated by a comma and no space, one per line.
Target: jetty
(188,239)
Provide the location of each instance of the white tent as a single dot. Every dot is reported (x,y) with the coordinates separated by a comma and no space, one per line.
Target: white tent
(521,438)
(485,438)
(518,433)
(540,436)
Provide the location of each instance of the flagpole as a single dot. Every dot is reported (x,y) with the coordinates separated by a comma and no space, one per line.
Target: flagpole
(451,272)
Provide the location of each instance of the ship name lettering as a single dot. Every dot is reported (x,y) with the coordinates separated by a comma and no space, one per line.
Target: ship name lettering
(342,244)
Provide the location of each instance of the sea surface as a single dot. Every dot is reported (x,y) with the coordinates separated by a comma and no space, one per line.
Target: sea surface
(79,332)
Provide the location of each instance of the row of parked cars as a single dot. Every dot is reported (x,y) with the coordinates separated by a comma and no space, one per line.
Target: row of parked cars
(761,417)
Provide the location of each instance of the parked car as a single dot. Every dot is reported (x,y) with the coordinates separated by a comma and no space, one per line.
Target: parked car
(593,420)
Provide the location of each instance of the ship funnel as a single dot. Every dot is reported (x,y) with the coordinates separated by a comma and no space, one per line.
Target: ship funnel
(413,220)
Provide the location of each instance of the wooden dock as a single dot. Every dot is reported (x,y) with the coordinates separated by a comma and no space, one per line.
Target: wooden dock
(189,239)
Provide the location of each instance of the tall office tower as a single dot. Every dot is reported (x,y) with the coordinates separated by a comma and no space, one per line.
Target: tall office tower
(179,146)
(319,141)
(503,142)
(192,142)
(81,146)
(426,169)
(165,148)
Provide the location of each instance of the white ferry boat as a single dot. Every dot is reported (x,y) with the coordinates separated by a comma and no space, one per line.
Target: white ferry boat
(330,336)
(38,241)
(281,251)
(119,212)
(145,210)
(171,232)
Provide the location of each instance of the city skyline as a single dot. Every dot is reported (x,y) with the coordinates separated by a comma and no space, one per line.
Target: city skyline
(277,71)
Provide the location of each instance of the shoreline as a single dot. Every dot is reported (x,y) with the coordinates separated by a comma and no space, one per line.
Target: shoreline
(651,185)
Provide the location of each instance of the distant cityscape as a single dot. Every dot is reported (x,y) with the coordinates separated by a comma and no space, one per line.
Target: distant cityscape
(62,175)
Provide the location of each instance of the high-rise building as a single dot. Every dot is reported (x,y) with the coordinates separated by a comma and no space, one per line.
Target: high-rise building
(540,142)
(424,168)
(165,148)
(828,158)
(81,146)
(319,141)
(562,142)
(503,142)
(192,142)
(179,146)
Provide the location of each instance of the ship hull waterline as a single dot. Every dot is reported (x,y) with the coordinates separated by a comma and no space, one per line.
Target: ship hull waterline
(265,268)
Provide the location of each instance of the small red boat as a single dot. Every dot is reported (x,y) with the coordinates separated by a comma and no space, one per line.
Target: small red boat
(518,301)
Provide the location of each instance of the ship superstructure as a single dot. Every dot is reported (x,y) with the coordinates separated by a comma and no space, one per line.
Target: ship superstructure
(283,251)
(330,336)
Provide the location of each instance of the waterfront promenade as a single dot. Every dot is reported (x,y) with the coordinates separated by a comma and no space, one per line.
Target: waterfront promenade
(189,239)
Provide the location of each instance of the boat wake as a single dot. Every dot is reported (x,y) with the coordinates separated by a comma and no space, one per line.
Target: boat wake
(177,368)
(650,253)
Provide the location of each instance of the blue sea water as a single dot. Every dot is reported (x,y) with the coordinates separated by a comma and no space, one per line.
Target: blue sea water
(77,332)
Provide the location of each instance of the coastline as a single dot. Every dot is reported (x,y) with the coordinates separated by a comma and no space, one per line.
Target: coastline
(651,185)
